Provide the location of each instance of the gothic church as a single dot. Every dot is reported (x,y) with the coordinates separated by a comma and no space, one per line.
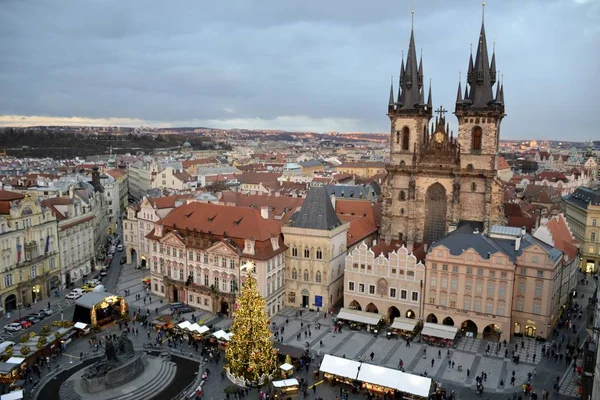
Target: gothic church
(437,181)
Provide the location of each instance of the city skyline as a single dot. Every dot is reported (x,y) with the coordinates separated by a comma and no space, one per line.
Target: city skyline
(290,67)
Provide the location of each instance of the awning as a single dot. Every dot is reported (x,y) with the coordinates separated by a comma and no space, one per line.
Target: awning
(439,331)
(221,334)
(199,329)
(285,383)
(80,325)
(386,377)
(362,317)
(16,395)
(404,324)
(286,366)
(15,360)
(415,384)
(339,366)
(184,325)
(293,352)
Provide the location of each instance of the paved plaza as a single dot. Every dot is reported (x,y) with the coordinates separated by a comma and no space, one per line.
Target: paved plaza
(468,354)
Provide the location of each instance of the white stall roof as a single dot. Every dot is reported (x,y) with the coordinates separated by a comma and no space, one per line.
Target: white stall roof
(386,377)
(184,325)
(339,366)
(80,325)
(415,384)
(439,331)
(221,334)
(362,317)
(15,360)
(286,383)
(405,324)
(286,366)
(16,395)
(198,328)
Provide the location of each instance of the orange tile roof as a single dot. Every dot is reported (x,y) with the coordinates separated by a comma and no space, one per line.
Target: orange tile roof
(168,201)
(235,222)
(563,239)
(115,173)
(502,164)
(6,195)
(279,206)
(199,161)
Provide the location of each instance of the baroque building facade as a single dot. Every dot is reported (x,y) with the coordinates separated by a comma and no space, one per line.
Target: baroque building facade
(436,179)
(29,248)
(200,254)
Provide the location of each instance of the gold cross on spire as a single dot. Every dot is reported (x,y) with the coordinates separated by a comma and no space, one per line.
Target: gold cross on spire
(440,111)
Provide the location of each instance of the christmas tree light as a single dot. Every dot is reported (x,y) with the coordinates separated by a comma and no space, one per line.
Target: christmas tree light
(250,352)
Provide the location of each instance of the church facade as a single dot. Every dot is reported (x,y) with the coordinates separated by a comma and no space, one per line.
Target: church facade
(436,179)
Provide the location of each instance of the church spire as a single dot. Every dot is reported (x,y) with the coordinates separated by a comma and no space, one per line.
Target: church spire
(391,100)
(459,92)
(429,102)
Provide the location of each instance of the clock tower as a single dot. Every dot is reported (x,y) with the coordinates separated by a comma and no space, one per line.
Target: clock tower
(437,180)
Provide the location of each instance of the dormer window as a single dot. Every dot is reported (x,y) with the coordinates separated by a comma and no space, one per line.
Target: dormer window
(249,246)
(275,243)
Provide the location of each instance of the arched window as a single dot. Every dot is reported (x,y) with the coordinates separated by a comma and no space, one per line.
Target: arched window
(593,237)
(318,277)
(470,167)
(305,275)
(402,211)
(319,254)
(402,164)
(405,138)
(294,251)
(306,252)
(473,186)
(294,273)
(476,140)
(402,195)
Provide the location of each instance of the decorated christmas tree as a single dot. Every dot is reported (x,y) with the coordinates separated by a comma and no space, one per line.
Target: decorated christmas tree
(250,352)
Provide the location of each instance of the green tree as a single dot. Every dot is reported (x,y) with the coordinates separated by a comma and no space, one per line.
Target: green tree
(250,352)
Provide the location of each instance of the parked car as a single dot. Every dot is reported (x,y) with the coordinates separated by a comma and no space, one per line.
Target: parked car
(123,260)
(39,314)
(75,294)
(180,307)
(48,311)
(120,247)
(87,288)
(103,272)
(32,318)
(24,323)
(13,327)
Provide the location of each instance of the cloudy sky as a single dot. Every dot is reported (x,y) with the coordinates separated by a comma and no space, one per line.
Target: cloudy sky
(296,65)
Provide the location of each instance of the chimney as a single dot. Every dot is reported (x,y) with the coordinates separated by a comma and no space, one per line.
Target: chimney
(523,230)
(374,242)
(264,212)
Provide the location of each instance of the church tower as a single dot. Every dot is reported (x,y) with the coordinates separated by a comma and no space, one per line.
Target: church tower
(435,180)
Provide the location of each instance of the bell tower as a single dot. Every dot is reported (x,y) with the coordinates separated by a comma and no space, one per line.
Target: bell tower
(480,112)
(409,113)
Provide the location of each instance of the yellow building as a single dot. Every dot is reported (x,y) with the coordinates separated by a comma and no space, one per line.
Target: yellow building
(583,216)
(363,169)
(29,251)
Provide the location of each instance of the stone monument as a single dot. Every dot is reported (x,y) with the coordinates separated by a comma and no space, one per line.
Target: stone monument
(120,364)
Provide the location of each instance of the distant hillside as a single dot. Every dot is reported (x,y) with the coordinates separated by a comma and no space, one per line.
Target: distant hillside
(26,142)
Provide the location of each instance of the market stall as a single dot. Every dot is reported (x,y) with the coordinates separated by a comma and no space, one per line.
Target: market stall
(295,353)
(360,319)
(286,387)
(16,395)
(82,329)
(286,369)
(404,327)
(337,369)
(439,335)
(221,338)
(386,380)
(9,372)
(99,308)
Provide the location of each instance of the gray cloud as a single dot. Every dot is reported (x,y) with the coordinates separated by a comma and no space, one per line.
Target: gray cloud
(299,65)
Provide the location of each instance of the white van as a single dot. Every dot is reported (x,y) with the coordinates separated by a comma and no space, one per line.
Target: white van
(5,345)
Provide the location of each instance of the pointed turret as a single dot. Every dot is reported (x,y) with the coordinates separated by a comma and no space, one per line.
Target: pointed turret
(470,69)
(466,99)
(391,100)
(420,74)
(399,99)
(459,94)
(429,101)
(493,68)
(500,97)
(410,84)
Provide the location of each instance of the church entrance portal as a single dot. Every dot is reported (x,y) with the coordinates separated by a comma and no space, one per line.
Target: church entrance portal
(435,220)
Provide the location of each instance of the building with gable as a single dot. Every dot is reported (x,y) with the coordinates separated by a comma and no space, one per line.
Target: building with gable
(495,285)
(200,253)
(385,279)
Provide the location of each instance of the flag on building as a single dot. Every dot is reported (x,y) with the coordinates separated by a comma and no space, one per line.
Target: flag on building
(18,253)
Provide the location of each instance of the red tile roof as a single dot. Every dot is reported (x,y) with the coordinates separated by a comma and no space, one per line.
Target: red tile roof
(6,195)
(502,164)
(115,173)
(168,201)
(199,161)
(563,239)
